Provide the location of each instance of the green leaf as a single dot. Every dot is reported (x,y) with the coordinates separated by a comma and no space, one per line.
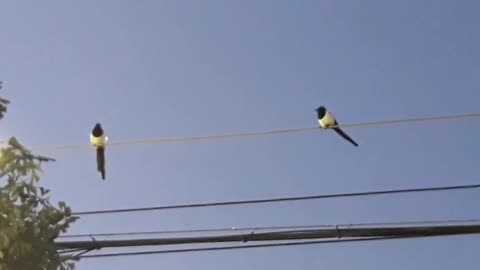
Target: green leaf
(62,205)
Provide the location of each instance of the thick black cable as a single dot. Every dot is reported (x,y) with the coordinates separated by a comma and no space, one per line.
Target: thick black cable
(288,235)
(272,228)
(282,199)
(158,252)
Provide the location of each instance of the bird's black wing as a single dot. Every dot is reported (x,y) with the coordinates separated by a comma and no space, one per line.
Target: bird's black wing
(101,161)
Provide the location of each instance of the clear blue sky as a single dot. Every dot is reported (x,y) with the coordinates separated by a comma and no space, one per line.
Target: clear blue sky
(159,69)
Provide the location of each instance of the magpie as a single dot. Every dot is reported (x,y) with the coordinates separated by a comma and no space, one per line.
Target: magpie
(98,139)
(326,120)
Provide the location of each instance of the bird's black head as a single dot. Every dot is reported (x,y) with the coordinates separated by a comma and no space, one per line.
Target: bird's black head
(321,111)
(97,130)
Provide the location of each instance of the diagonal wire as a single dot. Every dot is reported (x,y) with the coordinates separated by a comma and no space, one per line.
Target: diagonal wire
(281,199)
(301,243)
(255,134)
(272,228)
(283,236)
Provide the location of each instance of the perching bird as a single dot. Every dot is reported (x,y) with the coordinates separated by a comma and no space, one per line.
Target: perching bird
(98,139)
(327,120)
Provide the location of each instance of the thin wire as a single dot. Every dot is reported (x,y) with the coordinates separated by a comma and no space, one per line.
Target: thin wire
(243,229)
(254,134)
(282,199)
(157,252)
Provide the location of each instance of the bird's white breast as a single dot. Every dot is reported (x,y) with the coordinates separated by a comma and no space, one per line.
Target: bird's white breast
(98,141)
(327,120)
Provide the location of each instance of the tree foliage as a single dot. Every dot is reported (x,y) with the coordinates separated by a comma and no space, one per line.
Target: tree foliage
(29,223)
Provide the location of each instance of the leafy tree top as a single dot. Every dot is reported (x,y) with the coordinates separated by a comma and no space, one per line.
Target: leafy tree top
(29,222)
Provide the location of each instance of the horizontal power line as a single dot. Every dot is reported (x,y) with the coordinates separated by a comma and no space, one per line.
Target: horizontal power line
(272,228)
(282,199)
(254,134)
(300,235)
(336,232)
(235,247)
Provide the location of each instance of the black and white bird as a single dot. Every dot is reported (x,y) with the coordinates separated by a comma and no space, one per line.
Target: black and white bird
(326,121)
(99,140)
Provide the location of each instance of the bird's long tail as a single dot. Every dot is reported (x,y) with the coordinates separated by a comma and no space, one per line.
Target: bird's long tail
(345,136)
(101,161)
